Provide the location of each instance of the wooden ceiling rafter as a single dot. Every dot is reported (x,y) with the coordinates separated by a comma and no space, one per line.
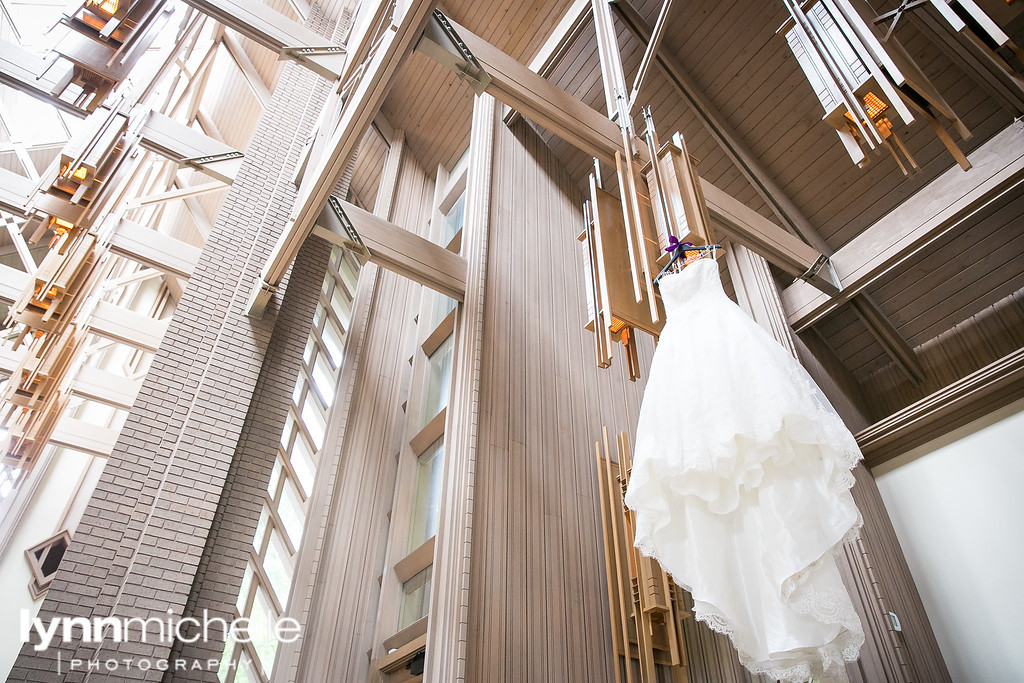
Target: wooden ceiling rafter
(246,67)
(877,323)
(928,215)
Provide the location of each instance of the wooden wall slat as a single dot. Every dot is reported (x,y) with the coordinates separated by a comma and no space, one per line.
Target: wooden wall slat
(343,615)
(536,611)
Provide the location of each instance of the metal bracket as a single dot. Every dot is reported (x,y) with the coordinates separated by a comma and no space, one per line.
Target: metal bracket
(325,60)
(213,158)
(827,281)
(815,267)
(441,42)
(309,50)
(341,230)
(223,165)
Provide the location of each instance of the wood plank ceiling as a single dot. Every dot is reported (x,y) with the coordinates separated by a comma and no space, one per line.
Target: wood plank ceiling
(731,49)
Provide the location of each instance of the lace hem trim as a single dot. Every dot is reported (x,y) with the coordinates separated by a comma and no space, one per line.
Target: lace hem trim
(826,607)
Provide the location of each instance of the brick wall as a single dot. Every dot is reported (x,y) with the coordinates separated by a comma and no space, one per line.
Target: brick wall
(144,545)
(222,566)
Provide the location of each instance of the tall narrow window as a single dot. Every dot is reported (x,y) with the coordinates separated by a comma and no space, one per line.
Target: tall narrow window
(453,220)
(406,591)
(438,381)
(426,495)
(273,557)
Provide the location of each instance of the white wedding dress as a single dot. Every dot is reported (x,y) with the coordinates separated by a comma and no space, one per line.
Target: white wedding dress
(740,483)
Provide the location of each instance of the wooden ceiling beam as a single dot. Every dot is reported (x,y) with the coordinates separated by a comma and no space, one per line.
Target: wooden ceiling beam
(542,102)
(546,104)
(82,436)
(978,394)
(12,283)
(155,249)
(127,327)
(393,247)
(250,73)
(177,193)
(562,38)
(185,145)
(105,387)
(277,33)
(723,133)
(890,339)
(360,108)
(15,192)
(934,211)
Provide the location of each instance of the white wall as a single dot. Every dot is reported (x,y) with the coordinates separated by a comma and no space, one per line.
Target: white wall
(957,504)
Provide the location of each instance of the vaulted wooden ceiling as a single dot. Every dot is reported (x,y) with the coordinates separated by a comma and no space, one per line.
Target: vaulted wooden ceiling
(731,48)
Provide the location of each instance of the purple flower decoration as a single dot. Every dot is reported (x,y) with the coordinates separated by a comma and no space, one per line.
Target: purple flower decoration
(674,243)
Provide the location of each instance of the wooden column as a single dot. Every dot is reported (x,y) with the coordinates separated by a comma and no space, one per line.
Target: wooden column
(756,293)
(306,592)
(449,602)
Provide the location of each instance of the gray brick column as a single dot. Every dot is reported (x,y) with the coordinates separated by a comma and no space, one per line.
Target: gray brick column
(222,565)
(144,545)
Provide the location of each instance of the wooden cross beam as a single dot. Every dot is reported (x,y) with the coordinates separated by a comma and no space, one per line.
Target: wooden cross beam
(360,108)
(546,104)
(277,33)
(393,247)
(935,210)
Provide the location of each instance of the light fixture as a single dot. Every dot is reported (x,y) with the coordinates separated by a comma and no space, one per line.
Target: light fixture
(858,77)
(108,6)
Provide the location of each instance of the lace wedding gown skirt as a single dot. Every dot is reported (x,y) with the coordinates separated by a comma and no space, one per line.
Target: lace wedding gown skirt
(740,484)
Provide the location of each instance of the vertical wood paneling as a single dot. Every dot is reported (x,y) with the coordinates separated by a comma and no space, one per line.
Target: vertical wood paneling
(341,626)
(536,609)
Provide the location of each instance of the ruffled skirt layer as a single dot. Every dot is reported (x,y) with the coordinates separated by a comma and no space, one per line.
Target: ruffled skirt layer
(740,484)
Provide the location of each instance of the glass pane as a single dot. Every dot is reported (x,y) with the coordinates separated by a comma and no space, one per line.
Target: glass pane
(349,274)
(243,593)
(323,379)
(225,661)
(318,316)
(302,463)
(439,374)
(261,630)
(341,304)
(442,307)
(307,354)
(333,342)
(453,220)
(290,511)
(275,476)
(261,528)
(278,567)
(415,598)
(286,433)
(300,385)
(314,422)
(427,495)
(246,671)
